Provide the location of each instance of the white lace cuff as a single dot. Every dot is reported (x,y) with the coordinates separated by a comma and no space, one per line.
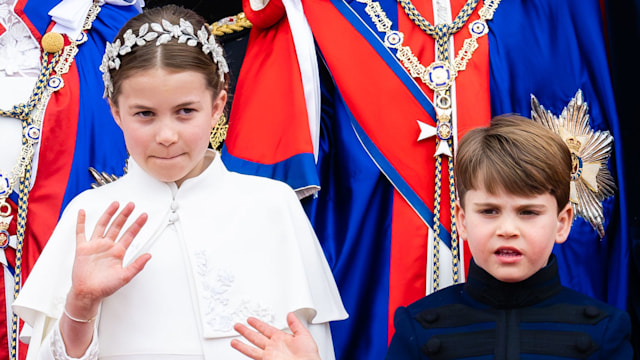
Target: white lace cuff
(59,351)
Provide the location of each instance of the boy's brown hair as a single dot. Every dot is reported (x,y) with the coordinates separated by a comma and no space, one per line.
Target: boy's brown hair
(516,155)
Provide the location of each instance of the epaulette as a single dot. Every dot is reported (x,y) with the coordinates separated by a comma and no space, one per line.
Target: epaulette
(230,27)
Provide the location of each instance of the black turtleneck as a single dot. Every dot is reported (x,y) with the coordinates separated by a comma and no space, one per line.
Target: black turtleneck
(542,285)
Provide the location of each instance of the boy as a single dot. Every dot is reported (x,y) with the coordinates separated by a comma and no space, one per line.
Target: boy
(513,179)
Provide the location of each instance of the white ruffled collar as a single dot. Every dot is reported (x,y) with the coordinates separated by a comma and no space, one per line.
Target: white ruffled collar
(69,15)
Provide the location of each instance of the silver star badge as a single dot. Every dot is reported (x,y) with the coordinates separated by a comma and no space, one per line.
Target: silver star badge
(591,181)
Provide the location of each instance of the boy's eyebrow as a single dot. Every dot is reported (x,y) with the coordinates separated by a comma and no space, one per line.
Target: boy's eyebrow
(498,203)
(486,203)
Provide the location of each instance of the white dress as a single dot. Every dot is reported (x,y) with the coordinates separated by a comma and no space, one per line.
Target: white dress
(224,247)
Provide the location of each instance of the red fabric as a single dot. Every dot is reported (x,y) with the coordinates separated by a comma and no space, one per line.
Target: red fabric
(266,17)
(19,10)
(45,198)
(395,117)
(277,92)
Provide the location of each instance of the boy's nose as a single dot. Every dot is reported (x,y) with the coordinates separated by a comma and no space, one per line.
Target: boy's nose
(507,229)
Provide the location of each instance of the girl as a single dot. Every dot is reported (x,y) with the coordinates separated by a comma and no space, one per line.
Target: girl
(195,248)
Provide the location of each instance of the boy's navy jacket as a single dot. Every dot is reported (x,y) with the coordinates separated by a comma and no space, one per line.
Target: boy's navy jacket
(485,318)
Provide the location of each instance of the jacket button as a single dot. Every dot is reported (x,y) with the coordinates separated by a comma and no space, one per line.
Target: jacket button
(431,317)
(591,311)
(433,346)
(583,343)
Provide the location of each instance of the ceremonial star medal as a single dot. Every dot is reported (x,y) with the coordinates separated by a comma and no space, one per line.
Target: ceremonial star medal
(591,181)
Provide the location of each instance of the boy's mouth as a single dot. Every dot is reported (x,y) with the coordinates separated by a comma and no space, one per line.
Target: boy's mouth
(508,252)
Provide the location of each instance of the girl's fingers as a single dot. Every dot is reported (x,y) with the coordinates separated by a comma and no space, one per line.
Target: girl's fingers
(264,328)
(247,350)
(254,337)
(118,223)
(80,232)
(133,230)
(135,267)
(296,326)
(104,220)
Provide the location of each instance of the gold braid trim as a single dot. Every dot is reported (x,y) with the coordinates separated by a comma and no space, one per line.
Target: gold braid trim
(230,25)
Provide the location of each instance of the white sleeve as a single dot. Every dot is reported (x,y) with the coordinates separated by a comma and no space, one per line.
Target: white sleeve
(53,347)
(322,335)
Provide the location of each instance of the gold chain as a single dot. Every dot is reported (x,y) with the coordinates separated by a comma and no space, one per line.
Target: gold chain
(423,24)
(438,75)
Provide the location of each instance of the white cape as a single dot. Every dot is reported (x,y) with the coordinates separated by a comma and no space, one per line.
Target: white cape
(247,248)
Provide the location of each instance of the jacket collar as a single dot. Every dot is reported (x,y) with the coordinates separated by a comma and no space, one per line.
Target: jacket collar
(540,286)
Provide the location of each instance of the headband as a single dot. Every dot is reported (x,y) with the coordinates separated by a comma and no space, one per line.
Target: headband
(162,34)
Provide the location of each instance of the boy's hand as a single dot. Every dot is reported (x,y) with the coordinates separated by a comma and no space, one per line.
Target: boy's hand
(275,344)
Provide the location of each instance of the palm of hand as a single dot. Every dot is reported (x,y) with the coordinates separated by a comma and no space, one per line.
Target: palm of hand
(98,270)
(283,346)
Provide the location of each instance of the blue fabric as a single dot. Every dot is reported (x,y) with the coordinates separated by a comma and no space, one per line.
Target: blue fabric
(559,48)
(99,140)
(360,20)
(543,47)
(37,11)
(297,171)
(352,218)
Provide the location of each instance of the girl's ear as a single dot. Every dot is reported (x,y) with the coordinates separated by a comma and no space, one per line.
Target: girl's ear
(565,219)
(115,112)
(218,107)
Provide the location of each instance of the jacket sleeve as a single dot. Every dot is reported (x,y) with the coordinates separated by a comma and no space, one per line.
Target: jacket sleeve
(404,344)
(616,343)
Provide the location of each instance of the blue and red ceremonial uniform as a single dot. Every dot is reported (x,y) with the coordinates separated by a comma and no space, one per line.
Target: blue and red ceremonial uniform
(374,208)
(78,132)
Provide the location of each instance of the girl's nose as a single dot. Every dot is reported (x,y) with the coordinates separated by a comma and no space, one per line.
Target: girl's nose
(166,135)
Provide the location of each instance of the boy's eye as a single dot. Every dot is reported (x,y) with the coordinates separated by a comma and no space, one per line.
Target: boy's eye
(529,213)
(489,211)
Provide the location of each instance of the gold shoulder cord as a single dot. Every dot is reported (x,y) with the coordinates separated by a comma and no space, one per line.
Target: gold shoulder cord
(230,25)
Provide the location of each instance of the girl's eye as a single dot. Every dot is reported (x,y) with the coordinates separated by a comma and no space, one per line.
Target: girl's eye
(144,114)
(186,111)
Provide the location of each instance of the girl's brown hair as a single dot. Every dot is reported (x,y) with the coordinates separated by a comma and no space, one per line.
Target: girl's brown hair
(172,56)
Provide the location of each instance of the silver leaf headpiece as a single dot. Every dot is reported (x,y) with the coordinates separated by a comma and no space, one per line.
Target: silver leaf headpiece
(162,34)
